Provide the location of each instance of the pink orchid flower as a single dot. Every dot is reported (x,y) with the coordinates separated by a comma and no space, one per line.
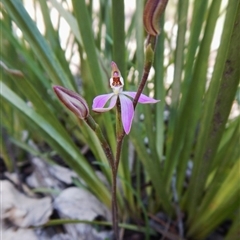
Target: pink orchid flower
(127,109)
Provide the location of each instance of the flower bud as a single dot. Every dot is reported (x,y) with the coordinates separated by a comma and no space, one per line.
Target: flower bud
(72,101)
(151,15)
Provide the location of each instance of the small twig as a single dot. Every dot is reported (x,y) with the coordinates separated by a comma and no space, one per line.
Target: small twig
(11,71)
(166,225)
(165,232)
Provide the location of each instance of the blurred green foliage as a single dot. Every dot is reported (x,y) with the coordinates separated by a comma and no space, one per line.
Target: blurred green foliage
(187,146)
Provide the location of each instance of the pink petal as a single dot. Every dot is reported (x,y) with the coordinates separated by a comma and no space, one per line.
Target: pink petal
(143,98)
(127,112)
(100,101)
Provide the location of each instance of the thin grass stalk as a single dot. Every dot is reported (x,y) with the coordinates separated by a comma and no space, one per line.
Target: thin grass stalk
(176,86)
(118,21)
(131,227)
(39,45)
(68,18)
(198,18)
(108,38)
(34,71)
(159,90)
(52,37)
(85,28)
(150,131)
(183,7)
(178,65)
(139,37)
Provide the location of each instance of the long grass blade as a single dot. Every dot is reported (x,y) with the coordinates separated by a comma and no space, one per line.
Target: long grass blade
(118,21)
(190,106)
(39,45)
(216,110)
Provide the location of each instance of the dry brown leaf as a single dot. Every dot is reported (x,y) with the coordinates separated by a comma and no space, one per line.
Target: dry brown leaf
(76,203)
(17,234)
(21,210)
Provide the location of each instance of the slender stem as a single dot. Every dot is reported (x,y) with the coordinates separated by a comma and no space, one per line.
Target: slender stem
(113,163)
(120,135)
(114,203)
(151,43)
(114,192)
(95,127)
(119,149)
